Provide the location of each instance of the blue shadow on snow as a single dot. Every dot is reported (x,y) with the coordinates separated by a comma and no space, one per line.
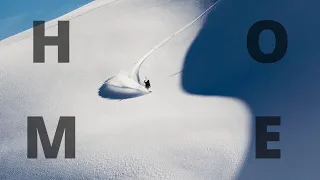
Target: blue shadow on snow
(218,64)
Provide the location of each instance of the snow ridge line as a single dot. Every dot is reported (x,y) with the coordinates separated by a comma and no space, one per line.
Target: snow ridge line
(136,69)
(74,17)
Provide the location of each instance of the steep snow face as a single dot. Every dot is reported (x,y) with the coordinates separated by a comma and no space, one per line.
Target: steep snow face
(167,134)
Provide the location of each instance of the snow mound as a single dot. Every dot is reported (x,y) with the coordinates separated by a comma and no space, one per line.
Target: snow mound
(121,86)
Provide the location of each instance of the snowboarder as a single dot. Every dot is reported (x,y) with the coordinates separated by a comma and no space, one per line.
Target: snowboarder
(147,83)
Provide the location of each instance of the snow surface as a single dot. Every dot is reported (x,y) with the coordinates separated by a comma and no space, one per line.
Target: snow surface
(122,86)
(289,88)
(167,134)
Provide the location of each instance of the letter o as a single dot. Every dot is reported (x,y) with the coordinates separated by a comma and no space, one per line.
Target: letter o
(280,37)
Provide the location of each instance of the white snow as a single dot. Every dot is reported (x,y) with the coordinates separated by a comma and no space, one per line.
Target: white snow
(167,134)
(122,86)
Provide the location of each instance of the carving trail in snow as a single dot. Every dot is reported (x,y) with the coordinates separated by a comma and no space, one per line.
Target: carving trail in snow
(122,86)
(136,68)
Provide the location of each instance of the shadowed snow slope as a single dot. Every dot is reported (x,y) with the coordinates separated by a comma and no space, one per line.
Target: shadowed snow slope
(167,134)
(289,88)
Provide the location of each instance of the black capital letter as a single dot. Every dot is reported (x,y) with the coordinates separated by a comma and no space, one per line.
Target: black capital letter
(40,41)
(253,41)
(262,137)
(36,124)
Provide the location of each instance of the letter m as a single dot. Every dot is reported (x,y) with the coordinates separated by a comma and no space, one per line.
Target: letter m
(36,125)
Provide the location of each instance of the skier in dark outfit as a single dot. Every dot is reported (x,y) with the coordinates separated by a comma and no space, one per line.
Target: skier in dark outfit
(147,83)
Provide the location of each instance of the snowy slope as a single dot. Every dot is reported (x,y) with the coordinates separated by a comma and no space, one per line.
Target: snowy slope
(289,88)
(168,134)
